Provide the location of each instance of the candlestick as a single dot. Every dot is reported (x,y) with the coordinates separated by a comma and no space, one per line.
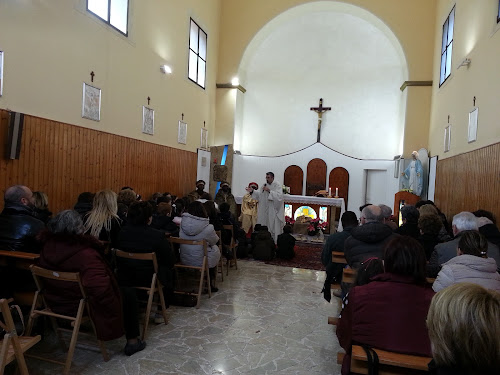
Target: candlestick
(329,191)
(336,192)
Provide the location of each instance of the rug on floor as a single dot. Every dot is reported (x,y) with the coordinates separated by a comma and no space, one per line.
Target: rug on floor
(307,255)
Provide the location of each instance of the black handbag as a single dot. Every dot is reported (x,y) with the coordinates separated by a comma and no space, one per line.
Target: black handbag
(18,319)
(372,358)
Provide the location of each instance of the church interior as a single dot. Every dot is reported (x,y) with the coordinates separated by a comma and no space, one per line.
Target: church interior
(170,92)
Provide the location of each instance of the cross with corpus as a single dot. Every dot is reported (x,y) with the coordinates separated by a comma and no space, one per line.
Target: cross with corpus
(320,110)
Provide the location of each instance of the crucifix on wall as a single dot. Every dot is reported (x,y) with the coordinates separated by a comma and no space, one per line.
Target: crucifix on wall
(320,110)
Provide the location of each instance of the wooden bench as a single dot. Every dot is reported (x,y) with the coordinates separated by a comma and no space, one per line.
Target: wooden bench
(18,259)
(338,257)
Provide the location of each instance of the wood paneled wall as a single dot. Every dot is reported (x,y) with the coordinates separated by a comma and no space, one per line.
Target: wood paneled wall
(316,176)
(64,160)
(469,181)
(294,178)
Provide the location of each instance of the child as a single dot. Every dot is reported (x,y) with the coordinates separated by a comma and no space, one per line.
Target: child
(263,247)
(286,243)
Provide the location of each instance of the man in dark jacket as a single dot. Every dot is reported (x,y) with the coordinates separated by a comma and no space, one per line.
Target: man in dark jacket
(335,242)
(18,224)
(369,239)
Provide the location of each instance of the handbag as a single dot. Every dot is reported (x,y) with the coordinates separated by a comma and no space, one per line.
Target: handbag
(18,319)
(372,359)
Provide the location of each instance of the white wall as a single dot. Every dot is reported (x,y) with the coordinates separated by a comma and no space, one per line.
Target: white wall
(336,51)
(253,168)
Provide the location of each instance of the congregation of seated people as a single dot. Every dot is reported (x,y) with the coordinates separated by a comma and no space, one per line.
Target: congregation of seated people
(80,240)
(393,305)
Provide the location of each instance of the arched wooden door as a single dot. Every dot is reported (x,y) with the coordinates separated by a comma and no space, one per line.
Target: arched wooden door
(339,178)
(294,178)
(316,176)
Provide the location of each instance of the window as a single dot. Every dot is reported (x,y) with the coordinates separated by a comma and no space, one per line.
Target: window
(113,12)
(447,47)
(498,15)
(197,54)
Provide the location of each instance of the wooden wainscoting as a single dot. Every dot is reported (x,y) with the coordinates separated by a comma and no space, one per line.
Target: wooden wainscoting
(64,160)
(469,181)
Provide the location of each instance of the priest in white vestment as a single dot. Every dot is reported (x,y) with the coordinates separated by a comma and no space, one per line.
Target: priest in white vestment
(271,211)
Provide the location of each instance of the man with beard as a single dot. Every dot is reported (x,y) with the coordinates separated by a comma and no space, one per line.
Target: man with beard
(199,193)
(224,195)
(18,224)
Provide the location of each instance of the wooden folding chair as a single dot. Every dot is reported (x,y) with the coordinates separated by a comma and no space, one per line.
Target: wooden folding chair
(41,275)
(12,346)
(232,248)
(205,275)
(220,265)
(155,286)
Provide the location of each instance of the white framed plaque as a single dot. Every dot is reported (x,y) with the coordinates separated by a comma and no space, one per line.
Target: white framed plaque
(182,133)
(472,130)
(148,120)
(91,104)
(204,138)
(447,138)
(1,73)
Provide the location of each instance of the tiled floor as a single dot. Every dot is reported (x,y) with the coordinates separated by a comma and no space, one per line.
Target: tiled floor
(264,320)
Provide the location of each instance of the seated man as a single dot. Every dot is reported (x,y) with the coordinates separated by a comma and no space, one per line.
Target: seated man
(335,242)
(18,230)
(369,239)
(18,223)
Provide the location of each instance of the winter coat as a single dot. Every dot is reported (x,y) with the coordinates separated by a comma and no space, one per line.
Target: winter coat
(198,228)
(144,239)
(286,244)
(389,313)
(428,242)
(263,247)
(409,229)
(443,252)
(491,232)
(75,253)
(366,241)
(19,227)
(468,269)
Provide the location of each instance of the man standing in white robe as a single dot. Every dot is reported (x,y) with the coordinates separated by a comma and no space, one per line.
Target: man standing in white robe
(271,211)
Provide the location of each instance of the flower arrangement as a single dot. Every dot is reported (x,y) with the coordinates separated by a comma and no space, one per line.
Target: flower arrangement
(286,189)
(315,225)
(289,220)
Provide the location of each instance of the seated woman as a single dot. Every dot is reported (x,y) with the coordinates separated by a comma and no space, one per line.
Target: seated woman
(102,221)
(162,219)
(196,226)
(41,202)
(464,329)
(389,313)
(138,237)
(469,266)
(66,248)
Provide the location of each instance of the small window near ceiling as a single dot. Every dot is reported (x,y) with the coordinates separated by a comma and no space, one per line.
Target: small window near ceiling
(113,12)
(447,47)
(197,54)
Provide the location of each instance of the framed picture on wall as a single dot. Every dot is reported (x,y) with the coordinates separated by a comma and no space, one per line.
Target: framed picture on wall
(204,138)
(472,130)
(447,138)
(182,133)
(148,120)
(1,73)
(91,105)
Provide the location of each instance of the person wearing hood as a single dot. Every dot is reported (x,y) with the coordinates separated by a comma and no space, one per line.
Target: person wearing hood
(369,239)
(196,226)
(66,248)
(469,266)
(84,203)
(224,195)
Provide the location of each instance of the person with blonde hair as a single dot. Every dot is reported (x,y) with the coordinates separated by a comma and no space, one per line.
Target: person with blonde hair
(464,329)
(41,203)
(102,221)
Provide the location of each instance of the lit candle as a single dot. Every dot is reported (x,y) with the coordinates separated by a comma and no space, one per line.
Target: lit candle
(329,191)
(336,192)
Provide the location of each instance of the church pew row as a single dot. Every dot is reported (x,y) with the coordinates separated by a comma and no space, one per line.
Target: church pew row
(390,363)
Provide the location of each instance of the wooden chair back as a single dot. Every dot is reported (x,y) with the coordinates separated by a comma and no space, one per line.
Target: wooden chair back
(205,275)
(338,257)
(155,288)
(220,265)
(232,248)
(41,275)
(12,346)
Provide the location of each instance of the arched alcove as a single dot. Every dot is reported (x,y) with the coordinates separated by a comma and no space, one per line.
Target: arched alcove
(316,176)
(328,49)
(339,178)
(294,178)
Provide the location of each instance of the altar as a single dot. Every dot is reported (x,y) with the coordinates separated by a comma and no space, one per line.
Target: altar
(305,200)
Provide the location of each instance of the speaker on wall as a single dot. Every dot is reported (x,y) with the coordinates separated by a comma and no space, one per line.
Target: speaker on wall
(16,123)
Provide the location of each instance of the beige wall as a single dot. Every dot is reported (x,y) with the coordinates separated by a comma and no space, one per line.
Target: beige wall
(52,46)
(412,23)
(476,36)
